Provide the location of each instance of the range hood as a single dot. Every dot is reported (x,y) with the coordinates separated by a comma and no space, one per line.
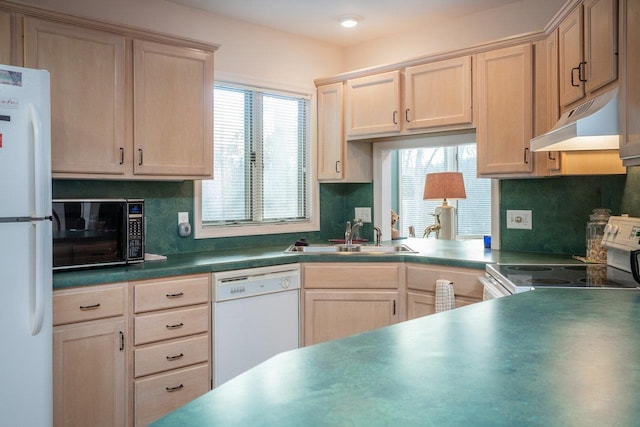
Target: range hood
(590,126)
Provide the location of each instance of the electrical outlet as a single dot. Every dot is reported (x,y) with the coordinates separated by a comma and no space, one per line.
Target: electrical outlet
(183,217)
(364,214)
(519,219)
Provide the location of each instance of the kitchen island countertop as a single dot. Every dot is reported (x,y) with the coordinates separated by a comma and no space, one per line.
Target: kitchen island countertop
(550,357)
(455,253)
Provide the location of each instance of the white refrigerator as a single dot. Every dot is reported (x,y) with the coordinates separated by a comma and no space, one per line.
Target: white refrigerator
(25,248)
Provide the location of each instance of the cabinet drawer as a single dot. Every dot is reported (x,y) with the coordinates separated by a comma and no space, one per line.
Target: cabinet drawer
(89,304)
(174,324)
(177,354)
(161,394)
(352,276)
(171,292)
(465,280)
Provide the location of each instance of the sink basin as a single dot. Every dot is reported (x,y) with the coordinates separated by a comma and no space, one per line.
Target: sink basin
(351,249)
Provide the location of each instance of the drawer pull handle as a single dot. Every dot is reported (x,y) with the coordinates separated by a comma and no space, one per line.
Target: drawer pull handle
(176,357)
(176,388)
(176,326)
(176,295)
(89,307)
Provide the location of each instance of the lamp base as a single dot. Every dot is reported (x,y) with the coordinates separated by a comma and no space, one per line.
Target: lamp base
(447,222)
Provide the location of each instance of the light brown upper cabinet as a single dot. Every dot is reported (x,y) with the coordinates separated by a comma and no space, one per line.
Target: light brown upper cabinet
(411,100)
(173,110)
(6,39)
(600,162)
(503,104)
(330,132)
(438,94)
(588,50)
(88,98)
(630,83)
(339,159)
(373,104)
(107,123)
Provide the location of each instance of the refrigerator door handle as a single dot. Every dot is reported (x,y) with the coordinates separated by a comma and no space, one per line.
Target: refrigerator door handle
(41,168)
(42,279)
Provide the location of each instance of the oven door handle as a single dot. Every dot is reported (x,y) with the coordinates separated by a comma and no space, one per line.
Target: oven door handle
(634,260)
(491,290)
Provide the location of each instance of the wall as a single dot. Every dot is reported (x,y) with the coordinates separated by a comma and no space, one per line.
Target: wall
(521,17)
(266,55)
(561,207)
(163,201)
(248,50)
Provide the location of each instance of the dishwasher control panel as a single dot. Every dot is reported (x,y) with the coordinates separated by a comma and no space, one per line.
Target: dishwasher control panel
(228,285)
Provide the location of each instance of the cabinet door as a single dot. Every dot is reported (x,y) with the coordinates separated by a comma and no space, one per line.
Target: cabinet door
(552,95)
(87,72)
(420,304)
(89,387)
(504,108)
(630,84)
(570,52)
(173,110)
(5,38)
(331,141)
(334,314)
(373,104)
(438,94)
(601,43)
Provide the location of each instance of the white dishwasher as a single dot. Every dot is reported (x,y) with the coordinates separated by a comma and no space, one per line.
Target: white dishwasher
(255,315)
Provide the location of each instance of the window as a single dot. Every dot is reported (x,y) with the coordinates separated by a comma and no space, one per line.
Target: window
(261,166)
(473,213)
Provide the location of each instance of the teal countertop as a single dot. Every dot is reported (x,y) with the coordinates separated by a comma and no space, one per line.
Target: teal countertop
(458,253)
(550,357)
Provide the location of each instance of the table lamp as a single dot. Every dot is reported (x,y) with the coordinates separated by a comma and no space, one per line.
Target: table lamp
(445,185)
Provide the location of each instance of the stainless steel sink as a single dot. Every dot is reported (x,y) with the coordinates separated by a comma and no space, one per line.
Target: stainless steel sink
(351,249)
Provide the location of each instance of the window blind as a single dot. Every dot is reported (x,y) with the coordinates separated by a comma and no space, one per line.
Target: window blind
(473,213)
(260,158)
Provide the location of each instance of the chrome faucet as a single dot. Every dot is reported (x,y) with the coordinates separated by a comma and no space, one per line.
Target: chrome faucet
(378,232)
(351,231)
(433,227)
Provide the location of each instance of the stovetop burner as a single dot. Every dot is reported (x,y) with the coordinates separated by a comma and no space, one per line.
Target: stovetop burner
(524,277)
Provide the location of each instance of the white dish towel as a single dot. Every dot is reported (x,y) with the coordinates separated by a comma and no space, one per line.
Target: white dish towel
(445,298)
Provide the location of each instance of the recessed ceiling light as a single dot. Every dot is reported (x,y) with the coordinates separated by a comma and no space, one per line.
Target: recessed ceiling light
(349,21)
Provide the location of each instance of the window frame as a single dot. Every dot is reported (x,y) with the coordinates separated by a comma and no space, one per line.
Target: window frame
(203,230)
(382,173)
(451,160)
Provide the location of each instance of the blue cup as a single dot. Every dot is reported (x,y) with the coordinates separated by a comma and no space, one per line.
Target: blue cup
(487,242)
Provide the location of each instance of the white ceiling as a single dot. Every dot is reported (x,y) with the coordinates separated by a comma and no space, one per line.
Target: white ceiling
(318,19)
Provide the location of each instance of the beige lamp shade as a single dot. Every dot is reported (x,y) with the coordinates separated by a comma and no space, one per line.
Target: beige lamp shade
(444,185)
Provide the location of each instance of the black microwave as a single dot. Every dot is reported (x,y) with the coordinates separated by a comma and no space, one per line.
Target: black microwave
(97,232)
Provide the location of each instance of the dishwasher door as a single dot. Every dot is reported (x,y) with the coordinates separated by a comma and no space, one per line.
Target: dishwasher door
(261,323)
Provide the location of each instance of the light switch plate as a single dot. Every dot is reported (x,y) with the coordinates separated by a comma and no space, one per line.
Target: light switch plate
(364,214)
(519,219)
(183,217)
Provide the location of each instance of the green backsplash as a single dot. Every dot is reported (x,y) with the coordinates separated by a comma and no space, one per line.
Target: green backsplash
(163,201)
(560,209)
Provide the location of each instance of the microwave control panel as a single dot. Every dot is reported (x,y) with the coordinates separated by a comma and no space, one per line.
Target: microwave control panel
(135,232)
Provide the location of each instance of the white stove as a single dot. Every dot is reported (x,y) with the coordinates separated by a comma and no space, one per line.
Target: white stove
(622,240)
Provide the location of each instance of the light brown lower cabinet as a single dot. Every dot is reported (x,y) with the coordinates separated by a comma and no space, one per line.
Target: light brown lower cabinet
(421,287)
(171,320)
(90,356)
(342,299)
(163,393)
(89,374)
(335,314)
